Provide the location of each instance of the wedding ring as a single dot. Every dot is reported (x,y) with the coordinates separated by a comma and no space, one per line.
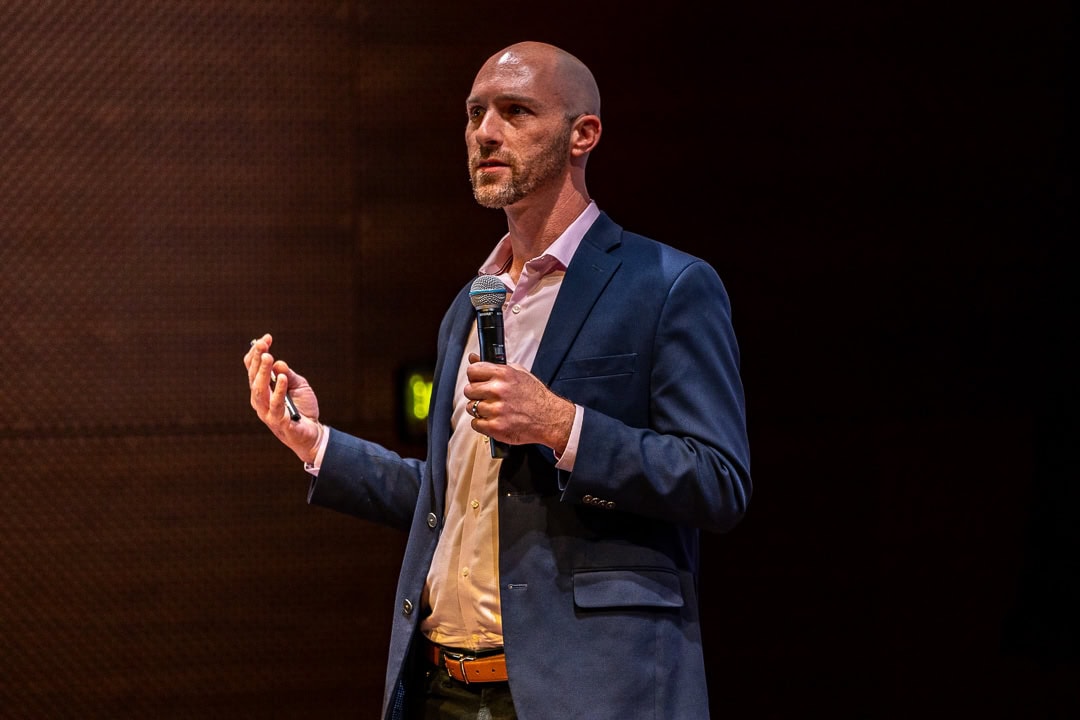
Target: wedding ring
(473,411)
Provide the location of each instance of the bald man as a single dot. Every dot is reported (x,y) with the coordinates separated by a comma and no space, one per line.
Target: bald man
(557,580)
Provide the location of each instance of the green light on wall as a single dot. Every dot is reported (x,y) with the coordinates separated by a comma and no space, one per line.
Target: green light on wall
(414,400)
(418,397)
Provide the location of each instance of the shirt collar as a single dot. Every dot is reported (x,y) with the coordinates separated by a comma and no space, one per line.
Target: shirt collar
(562,249)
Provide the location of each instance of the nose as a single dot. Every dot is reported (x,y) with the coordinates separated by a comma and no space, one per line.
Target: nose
(489,130)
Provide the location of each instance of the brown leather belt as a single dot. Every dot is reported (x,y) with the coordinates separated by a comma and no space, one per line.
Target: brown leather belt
(468,668)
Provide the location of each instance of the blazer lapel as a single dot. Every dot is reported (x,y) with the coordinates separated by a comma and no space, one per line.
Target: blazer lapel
(589,272)
(442,400)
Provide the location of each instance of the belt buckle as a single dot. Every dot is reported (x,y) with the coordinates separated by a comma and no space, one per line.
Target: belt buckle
(460,659)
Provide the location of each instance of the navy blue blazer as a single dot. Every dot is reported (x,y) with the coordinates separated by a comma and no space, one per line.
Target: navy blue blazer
(598,567)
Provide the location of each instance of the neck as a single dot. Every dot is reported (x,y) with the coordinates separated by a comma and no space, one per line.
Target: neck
(536,222)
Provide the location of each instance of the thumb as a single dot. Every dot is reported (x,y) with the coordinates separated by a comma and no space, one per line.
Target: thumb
(293,379)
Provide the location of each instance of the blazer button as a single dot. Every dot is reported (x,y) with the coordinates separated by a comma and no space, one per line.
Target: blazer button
(406,607)
(432,521)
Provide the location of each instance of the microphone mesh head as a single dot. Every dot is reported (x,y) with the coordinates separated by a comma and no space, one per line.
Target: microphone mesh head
(487,292)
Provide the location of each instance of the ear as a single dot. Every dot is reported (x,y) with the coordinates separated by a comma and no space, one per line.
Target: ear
(584,135)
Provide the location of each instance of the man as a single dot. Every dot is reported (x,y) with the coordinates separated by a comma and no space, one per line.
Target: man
(559,581)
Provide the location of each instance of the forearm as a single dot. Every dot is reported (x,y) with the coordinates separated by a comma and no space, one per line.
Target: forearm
(700,481)
(365,480)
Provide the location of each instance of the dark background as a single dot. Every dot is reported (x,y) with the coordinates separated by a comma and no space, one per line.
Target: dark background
(886,191)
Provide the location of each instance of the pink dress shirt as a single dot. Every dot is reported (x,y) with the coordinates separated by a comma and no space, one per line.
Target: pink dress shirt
(462,588)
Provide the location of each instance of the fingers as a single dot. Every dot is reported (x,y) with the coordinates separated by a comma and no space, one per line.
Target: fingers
(252,358)
(479,372)
(260,367)
(486,395)
(279,386)
(510,404)
(269,394)
(259,378)
(481,410)
(261,344)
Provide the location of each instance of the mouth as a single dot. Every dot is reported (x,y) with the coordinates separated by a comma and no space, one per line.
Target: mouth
(487,165)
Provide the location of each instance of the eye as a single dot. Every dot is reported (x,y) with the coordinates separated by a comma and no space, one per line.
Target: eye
(474,112)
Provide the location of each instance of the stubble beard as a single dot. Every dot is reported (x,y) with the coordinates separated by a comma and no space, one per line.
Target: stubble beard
(547,164)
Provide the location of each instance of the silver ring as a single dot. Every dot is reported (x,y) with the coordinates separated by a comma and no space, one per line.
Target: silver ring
(473,411)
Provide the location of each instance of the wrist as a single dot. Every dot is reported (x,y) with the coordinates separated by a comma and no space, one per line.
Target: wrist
(317,447)
(564,427)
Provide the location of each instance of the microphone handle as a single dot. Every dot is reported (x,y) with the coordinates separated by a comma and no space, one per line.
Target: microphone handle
(489,326)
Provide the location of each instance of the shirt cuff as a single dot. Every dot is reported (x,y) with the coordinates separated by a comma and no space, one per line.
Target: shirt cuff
(569,455)
(324,440)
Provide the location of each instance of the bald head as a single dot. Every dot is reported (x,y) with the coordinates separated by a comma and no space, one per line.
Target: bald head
(533,120)
(551,67)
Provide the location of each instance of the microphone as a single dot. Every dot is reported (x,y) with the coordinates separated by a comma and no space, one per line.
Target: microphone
(487,295)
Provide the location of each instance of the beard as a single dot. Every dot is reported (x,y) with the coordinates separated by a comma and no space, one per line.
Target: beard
(544,165)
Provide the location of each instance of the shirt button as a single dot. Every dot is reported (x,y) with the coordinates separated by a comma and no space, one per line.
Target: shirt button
(464,572)
(475,504)
(406,607)
(516,309)
(432,521)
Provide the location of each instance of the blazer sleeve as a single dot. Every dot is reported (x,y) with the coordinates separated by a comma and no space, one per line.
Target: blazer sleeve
(366,480)
(685,458)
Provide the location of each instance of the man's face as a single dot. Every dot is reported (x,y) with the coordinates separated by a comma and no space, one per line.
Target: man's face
(517,137)
(503,176)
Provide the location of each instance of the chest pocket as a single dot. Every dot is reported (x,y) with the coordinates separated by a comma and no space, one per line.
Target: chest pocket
(598,367)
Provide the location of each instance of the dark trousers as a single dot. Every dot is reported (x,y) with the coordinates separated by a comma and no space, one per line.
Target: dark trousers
(437,696)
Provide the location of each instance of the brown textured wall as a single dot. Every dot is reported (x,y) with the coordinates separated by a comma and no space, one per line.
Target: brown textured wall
(879,188)
(176,178)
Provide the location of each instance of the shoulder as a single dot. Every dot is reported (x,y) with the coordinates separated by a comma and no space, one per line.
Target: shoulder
(644,256)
